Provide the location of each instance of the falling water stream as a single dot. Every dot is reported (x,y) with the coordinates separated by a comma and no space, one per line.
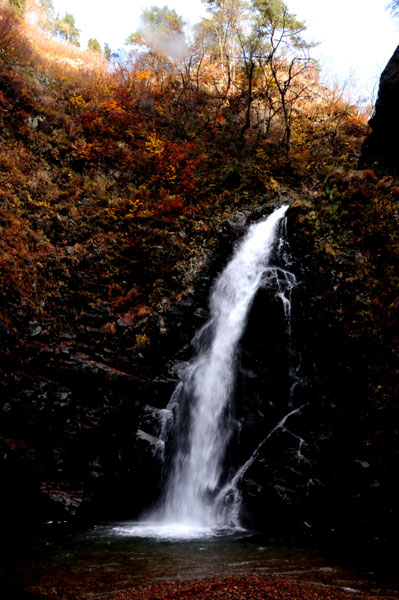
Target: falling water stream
(196,500)
(196,469)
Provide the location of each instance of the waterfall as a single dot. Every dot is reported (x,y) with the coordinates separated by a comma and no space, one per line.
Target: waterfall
(202,496)
(200,405)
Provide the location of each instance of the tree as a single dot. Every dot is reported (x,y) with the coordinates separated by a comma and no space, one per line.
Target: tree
(159,43)
(47,6)
(48,14)
(204,47)
(249,48)
(65,29)
(19,6)
(226,21)
(161,31)
(164,21)
(394,7)
(94,45)
(282,54)
(107,51)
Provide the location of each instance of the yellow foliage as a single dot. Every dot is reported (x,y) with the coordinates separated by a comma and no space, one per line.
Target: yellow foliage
(170,174)
(111,106)
(143,75)
(142,339)
(133,206)
(39,203)
(154,145)
(77,101)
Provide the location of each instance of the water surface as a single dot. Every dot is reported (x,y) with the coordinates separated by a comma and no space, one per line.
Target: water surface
(111,559)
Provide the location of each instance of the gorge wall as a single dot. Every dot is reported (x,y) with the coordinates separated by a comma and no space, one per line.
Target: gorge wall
(76,406)
(380,150)
(81,426)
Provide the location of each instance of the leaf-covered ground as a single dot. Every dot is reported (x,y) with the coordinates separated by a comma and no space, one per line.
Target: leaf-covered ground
(243,588)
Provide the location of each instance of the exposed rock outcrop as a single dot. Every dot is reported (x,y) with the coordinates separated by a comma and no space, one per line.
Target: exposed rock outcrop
(76,432)
(380,150)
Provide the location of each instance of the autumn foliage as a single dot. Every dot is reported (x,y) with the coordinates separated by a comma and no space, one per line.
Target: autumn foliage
(114,178)
(241,588)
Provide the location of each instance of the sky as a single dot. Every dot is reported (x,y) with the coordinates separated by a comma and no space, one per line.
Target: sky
(356,37)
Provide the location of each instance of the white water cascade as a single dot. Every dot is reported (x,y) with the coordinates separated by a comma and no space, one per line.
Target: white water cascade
(194,502)
(196,469)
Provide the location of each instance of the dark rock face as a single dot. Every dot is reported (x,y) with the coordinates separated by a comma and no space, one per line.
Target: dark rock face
(271,385)
(338,483)
(276,483)
(320,475)
(78,430)
(380,150)
(70,441)
(79,410)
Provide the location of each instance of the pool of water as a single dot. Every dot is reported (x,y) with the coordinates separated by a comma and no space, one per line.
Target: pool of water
(110,559)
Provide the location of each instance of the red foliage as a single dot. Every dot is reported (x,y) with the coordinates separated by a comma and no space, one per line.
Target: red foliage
(250,587)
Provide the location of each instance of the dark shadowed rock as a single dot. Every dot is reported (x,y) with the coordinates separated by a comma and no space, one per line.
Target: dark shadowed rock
(380,150)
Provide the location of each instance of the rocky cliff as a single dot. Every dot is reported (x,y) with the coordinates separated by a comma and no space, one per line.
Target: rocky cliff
(79,408)
(331,470)
(380,150)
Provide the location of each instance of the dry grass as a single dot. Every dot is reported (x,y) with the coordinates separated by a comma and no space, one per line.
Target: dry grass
(14,46)
(24,42)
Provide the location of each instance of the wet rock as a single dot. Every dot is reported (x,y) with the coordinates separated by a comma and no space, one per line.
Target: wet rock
(238,223)
(341,408)
(85,395)
(177,370)
(63,397)
(100,369)
(66,497)
(34,329)
(150,439)
(68,337)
